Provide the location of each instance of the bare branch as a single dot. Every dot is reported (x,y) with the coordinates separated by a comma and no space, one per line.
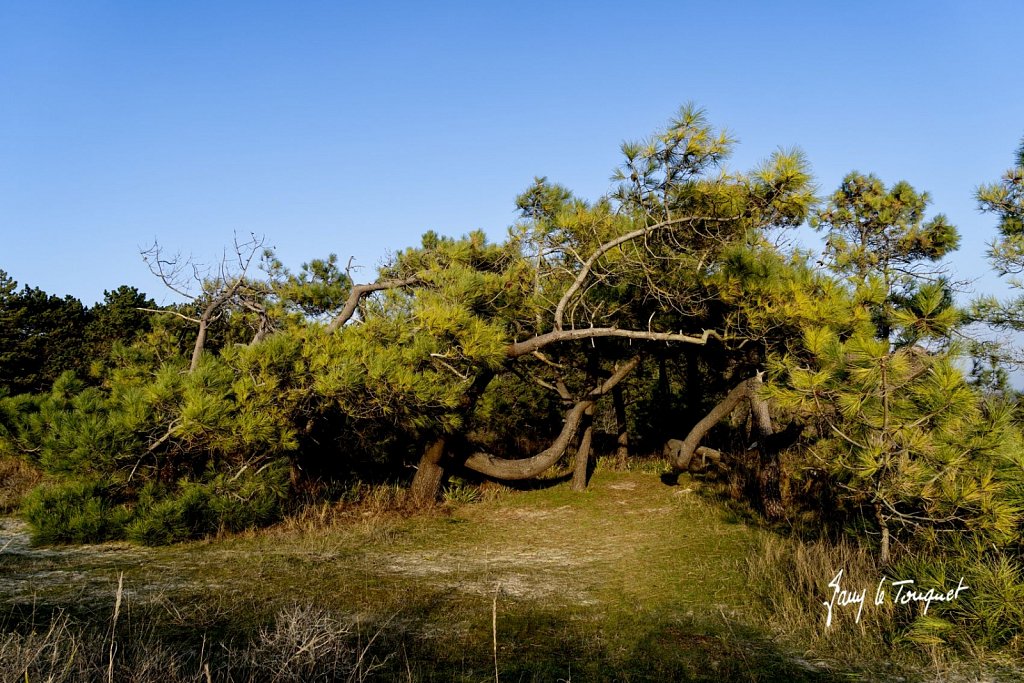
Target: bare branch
(588,265)
(522,348)
(171,312)
(359,291)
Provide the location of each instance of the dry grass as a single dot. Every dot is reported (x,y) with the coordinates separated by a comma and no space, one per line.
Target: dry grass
(791,581)
(17,478)
(303,643)
(630,580)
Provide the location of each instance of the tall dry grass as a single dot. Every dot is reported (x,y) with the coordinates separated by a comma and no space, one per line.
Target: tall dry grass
(303,643)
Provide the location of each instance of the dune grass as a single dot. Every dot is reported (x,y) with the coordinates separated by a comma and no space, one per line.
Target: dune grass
(632,580)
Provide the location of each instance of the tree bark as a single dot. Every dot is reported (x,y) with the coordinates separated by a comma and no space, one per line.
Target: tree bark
(517,349)
(685,453)
(433,469)
(769,471)
(429,474)
(621,430)
(525,468)
(197,349)
(582,465)
(359,291)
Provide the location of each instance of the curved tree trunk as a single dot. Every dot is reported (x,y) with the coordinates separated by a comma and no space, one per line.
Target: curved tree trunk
(525,468)
(768,444)
(682,456)
(197,349)
(433,468)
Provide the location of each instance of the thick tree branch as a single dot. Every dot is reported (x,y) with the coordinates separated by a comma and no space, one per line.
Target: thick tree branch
(525,468)
(517,349)
(359,291)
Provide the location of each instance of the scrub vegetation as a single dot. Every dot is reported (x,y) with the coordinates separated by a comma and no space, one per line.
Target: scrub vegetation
(425,443)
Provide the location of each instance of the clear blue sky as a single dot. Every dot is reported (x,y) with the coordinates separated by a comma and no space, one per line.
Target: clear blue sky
(353,127)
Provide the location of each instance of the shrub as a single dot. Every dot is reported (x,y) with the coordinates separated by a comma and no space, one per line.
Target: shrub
(74,512)
(989,614)
(198,509)
(181,517)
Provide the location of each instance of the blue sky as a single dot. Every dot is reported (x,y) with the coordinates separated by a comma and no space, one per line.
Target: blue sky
(354,127)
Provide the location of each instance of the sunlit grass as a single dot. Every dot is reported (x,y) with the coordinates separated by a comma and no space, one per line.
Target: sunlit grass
(630,580)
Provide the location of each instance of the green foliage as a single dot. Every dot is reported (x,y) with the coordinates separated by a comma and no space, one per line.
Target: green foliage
(459,492)
(40,337)
(1005,199)
(988,615)
(878,239)
(200,508)
(185,515)
(77,511)
(907,442)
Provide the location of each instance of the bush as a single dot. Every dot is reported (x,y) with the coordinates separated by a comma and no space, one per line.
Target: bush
(198,509)
(74,512)
(181,517)
(989,614)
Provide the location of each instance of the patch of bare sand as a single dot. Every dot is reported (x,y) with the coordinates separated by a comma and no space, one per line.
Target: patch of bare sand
(87,572)
(531,574)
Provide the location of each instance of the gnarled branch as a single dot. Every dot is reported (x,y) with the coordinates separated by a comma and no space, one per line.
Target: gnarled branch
(502,468)
(359,291)
(588,265)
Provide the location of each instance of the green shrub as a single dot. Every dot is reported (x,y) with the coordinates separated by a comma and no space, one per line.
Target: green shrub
(198,509)
(459,492)
(253,501)
(989,614)
(187,514)
(74,512)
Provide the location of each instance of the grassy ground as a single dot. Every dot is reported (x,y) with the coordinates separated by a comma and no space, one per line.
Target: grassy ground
(632,580)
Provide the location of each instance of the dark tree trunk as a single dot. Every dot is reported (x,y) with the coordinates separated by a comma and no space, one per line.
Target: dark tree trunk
(769,471)
(622,433)
(663,412)
(430,473)
(681,458)
(581,469)
(883,524)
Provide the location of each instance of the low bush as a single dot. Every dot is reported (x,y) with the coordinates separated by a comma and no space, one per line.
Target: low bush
(198,509)
(790,581)
(74,512)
